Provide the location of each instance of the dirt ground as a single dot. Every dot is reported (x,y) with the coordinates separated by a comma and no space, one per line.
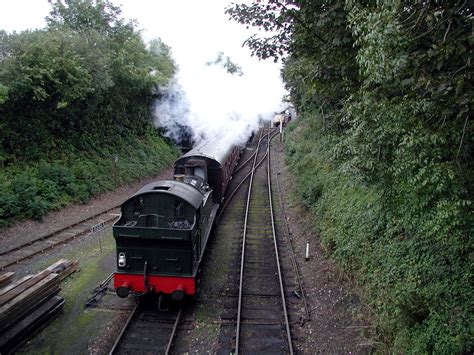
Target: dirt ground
(339,321)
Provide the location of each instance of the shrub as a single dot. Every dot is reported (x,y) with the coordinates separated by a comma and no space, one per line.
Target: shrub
(30,190)
(407,243)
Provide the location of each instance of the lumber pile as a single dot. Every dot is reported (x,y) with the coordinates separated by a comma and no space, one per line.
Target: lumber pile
(27,304)
(6,278)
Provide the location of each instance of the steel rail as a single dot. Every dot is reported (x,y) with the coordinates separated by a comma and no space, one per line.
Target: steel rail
(280,278)
(122,332)
(129,321)
(50,246)
(59,231)
(173,332)
(228,199)
(293,254)
(238,168)
(242,259)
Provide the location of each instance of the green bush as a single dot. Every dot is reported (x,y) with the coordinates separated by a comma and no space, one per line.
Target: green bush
(25,188)
(30,190)
(412,256)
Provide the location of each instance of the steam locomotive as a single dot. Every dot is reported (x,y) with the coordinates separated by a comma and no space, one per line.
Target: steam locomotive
(164,227)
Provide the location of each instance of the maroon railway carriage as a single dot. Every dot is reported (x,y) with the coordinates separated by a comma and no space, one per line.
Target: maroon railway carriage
(214,162)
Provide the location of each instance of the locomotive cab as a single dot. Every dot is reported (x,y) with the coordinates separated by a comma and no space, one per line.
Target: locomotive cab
(160,237)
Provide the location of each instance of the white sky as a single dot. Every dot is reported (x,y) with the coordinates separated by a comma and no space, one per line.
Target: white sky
(196,31)
(192,28)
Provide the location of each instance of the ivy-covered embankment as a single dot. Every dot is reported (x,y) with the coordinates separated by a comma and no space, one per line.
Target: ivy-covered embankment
(382,151)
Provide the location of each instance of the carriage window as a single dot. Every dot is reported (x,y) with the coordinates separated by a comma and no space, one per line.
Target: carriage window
(178,208)
(198,171)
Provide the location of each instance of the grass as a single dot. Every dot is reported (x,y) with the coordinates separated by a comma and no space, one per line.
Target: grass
(76,328)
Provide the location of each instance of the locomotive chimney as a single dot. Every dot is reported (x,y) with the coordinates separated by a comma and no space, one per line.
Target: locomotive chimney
(179,177)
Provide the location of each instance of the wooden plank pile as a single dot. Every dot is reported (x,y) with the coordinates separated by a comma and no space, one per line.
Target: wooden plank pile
(6,278)
(27,304)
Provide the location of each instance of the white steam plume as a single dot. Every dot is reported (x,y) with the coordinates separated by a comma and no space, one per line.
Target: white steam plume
(215,104)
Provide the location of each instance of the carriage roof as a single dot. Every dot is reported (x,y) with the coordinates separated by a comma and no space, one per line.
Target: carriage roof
(215,150)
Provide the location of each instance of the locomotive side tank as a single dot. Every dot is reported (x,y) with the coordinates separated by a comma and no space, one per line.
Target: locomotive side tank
(163,229)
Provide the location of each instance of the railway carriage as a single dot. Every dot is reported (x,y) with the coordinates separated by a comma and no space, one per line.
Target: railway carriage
(214,162)
(282,118)
(163,229)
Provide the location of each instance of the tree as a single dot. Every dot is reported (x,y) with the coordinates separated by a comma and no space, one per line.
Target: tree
(86,15)
(83,82)
(383,154)
(231,67)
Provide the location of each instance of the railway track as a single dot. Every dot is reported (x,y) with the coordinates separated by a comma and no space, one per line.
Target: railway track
(148,330)
(18,252)
(254,145)
(242,177)
(256,317)
(261,297)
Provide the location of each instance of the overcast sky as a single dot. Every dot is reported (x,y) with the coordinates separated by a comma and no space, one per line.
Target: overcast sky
(196,31)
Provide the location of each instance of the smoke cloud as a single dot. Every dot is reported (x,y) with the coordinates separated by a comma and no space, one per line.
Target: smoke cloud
(208,101)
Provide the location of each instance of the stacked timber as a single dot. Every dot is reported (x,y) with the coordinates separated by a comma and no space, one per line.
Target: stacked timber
(6,278)
(27,304)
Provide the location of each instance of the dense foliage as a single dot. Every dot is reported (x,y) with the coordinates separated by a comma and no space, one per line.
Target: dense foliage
(383,151)
(71,94)
(29,190)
